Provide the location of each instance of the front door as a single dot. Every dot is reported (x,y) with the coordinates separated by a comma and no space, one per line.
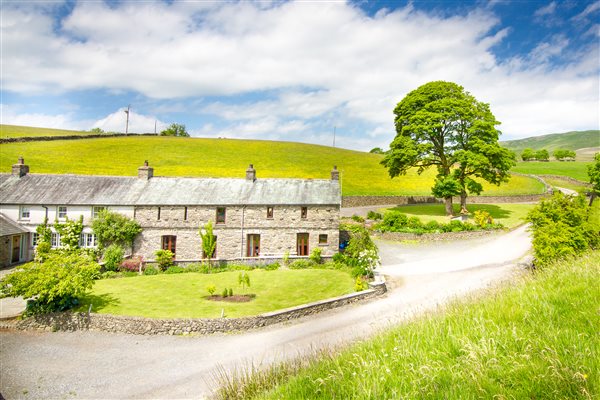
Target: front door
(302,244)
(253,246)
(16,249)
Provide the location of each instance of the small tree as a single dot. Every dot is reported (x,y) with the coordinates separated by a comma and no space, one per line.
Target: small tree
(594,174)
(376,150)
(528,155)
(542,155)
(164,258)
(70,233)
(562,154)
(175,130)
(244,280)
(209,240)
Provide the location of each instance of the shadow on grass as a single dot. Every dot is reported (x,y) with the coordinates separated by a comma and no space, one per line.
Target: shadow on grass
(438,210)
(98,302)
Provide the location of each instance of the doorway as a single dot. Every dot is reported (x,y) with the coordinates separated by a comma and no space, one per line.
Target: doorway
(302,244)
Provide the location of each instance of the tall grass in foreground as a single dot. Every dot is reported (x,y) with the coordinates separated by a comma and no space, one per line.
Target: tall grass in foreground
(537,339)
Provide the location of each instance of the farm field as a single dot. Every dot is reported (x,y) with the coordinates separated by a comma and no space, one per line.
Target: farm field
(510,215)
(182,295)
(14,131)
(568,140)
(564,183)
(361,173)
(573,169)
(533,339)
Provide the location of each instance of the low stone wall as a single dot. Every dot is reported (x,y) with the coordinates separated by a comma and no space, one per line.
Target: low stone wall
(69,321)
(363,201)
(568,179)
(69,137)
(436,237)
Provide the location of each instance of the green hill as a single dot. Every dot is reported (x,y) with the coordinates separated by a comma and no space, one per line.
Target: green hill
(361,172)
(15,131)
(569,140)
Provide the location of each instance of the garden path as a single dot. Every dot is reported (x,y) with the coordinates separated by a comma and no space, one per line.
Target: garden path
(103,365)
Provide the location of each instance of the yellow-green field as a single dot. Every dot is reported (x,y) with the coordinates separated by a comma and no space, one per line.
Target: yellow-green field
(14,131)
(361,172)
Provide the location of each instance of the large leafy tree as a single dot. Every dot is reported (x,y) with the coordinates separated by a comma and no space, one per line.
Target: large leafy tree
(441,125)
(175,130)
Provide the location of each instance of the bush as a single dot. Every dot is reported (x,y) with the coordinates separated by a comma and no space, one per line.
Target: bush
(113,256)
(393,221)
(360,284)
(132,265)
(432,226)
(225,293)
(315,255)
(230,292)
(211,289)
(301,264)
(53,285)
(376,216)
(150,270)
(164,258)
(482,218)
(414,223)
(339,258)
(358,218)
(272,267)
(174,269)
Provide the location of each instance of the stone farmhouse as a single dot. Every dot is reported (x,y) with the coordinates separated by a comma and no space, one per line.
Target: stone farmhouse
(255,220)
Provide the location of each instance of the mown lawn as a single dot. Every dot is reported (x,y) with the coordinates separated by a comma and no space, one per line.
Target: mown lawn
(183,295)
(361,172)
(574,169)
(535,339)
(508,214)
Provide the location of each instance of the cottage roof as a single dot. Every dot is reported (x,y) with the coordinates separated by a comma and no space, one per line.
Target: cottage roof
(8,227)
(48,189)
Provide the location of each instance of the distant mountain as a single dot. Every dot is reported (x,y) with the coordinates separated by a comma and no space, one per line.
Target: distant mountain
(569,140)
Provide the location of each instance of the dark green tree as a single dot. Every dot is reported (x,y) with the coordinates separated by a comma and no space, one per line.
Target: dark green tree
(376,150)
(542,155)
(594,174)
(562,154)
(440,124)
(175,130)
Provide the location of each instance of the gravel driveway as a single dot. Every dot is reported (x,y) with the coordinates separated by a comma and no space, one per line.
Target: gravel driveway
(87,365)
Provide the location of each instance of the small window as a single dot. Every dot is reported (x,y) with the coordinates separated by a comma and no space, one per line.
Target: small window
(158,214)
(87,240)
(35,237)
(304,212)
(55,239)
(220,215)
(322,239)
(96,210)
(185,213)
(169,243)
(24,212)
(269,212)
(62,212)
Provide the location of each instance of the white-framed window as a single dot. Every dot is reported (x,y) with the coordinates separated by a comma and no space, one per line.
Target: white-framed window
(24,212)
(55,239)
(62,212)
(87,240)
(96,210)
(35,237)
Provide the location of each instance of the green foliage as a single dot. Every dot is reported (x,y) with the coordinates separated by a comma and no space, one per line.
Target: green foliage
(174,269)
(395,221)
(373,215)
(562,154)
(376,150)
(272,267)
(225,293)
(211,289)
(286,258)
(164,258)
(97,130)
(528,155)
(542,155)
(562,227)
(150,270)
(209,240)
(230,292)
(244,280)
(362,253)
(70,233)
(594,174)
(357,218)
(301,264)
(111,227)
(360,284)
(44,244)
(113,256)
(482,218)
(175,130)
(52,285)
(315,255)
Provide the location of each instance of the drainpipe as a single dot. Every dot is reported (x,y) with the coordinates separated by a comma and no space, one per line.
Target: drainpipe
(46,217)
(242,241)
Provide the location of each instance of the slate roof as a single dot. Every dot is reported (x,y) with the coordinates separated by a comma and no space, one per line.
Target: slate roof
(47,189)
(8,227)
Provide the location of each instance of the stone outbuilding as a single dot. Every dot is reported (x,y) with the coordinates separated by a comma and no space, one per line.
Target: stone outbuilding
(254,219)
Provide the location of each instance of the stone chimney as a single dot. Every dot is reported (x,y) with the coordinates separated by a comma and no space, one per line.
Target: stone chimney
(20,168)
(335,174)
(251,173)
(145,172)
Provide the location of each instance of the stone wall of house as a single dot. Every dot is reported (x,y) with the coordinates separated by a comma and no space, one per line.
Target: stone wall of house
(67,321)
(278,235)
(5,251)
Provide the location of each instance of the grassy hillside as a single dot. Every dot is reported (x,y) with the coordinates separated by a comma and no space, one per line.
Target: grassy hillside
(568,140)
(536,339)
(13,131)
(577,169)
(361,172)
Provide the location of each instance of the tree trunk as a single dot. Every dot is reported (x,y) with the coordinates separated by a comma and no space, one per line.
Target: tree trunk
(463,203)
(448,201)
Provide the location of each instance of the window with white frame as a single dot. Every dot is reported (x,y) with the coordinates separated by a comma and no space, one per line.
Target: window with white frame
(62,212)
(24,212)
(88,240)
(55,239)
(35,237)
(96,210)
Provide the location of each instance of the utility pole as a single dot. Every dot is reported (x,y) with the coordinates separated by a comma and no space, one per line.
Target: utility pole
(334,136)
(127,123)
(155,127)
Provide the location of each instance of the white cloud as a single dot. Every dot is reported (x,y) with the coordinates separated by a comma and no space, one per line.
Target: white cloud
(15,115)
(319,58)
(546,10)
(138,123)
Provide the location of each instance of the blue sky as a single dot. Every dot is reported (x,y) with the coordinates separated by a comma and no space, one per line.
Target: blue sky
(295,70)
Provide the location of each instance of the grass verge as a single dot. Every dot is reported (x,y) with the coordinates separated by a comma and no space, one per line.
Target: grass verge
(535,339)
(183,295)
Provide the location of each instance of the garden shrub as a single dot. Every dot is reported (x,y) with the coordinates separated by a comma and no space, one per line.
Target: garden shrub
(225,293)
(376,216)
(360,284)
(150,270)
(174,269)
(315,255)
(339,258)
(113,256)
(272,266)
(361,253)
(164,258)
(357,218)
(432,226)
(393,221)
(211,289)
(230,292)
(286,258)
(132,265)
(414,223)
(482,218)
(301,264)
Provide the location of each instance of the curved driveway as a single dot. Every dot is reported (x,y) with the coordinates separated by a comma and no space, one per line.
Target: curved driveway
(102,365)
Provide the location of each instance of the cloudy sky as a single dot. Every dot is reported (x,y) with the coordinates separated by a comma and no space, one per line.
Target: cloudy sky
(295,70)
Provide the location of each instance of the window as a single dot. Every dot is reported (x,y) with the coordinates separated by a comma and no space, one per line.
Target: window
(158,214)
(62,212)
(87,240)
(269,212)
(303,212)
(55,239)
(24,212)
(220,215)
(253,245)
(322,239)
(185,213)
(302,244)
(96,210)
(35,237)
(169,243)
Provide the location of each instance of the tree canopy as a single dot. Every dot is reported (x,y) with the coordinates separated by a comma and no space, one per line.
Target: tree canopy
(594,174)
(562,154)
(439,124)
(111,227)
(175,130)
